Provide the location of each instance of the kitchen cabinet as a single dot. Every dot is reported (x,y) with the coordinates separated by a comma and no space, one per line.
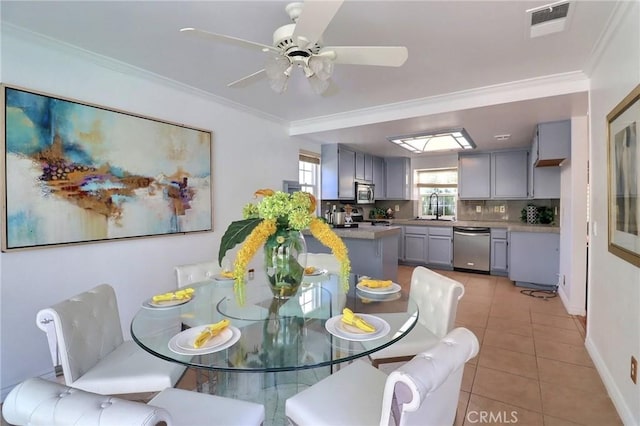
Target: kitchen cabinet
(338,172)
(554,143)
(401,244)
(496,175)
(534,259)
(509,174)
(544,182)
(440,247)
(415,244)
(499,251)
(378,177)
(364,166)
(397,178)
(474,176)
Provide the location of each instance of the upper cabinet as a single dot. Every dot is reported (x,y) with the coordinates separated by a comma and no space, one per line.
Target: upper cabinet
(509,174)
(474,176)
(493,175)
(544,182)
(397,178)
(338,172)
(378,178)
(553,143)
(364,167)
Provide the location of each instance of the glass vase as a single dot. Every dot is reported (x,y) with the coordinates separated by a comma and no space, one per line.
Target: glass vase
(285,257)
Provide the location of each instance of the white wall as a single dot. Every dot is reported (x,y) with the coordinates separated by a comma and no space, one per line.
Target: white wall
(573,220)
(248,153)
(613,312)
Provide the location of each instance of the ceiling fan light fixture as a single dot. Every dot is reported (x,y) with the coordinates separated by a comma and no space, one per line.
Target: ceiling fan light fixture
(318,85)
(321,66)
(279,85)
(276,65)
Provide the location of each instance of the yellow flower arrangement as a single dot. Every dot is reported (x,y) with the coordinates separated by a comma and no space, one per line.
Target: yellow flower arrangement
(269,222)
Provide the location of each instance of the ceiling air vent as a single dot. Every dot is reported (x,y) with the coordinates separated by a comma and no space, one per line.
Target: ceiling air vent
(549,19)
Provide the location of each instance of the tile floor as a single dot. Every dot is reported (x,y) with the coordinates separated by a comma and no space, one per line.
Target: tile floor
(533,368)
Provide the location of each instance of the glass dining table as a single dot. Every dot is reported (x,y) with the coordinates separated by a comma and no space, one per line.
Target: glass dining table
(292,342)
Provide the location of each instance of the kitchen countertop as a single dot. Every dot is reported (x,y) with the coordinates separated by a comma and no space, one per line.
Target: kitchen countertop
(510,226)
(366,231)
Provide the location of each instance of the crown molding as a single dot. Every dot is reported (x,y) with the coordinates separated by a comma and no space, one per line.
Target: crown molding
(127,69)
(534,88)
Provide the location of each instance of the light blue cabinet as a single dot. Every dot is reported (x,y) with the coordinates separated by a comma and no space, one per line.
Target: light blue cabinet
(378,178)
(509,174)
(415,244)
(474,176)
(368,168)
(544,182)
(499,175)
(338,172)
(397,178)
(534,259)
(499,251)
(440,247)
(554,143)
(359,168)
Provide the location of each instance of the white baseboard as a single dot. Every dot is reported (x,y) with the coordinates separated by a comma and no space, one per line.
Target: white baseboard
(571,310)
(614,393)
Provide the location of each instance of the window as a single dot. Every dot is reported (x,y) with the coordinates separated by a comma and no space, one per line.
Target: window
(308,171)
(444,183)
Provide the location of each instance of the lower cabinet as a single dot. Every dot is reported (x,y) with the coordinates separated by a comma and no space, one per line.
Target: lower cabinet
(415,244)
(440,247)
(499,251)
(534,259)
(430,246)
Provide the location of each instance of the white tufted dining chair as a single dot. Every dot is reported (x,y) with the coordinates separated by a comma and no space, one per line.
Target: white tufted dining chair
(194,272)
(39,402)
(422,392)
(93,353)
(437,297)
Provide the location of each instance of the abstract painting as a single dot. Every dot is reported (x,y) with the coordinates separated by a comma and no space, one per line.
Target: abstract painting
(78,173)
(624,178)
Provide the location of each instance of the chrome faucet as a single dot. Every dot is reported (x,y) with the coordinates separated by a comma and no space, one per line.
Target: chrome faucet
(437,204)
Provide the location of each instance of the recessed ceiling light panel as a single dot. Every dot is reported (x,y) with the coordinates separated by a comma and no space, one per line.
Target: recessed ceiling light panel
(435,141)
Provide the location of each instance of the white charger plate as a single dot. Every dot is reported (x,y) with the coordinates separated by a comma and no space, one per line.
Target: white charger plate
(182,343)
(394,288)
(149,303)
(335,326)
(316,273)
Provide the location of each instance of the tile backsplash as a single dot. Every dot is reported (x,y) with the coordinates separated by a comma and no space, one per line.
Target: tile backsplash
(501,210)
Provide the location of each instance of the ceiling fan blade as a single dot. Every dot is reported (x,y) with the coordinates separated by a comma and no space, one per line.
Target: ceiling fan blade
(313,20)
(249,79)
(385,56)
(229,40)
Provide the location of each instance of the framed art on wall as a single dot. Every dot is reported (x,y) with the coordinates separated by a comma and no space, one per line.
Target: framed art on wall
(79,173)
(624,178)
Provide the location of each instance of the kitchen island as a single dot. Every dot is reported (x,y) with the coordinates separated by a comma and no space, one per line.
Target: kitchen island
(373,250)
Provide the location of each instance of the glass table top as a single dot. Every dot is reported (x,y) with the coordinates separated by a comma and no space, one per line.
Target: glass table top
(269,334)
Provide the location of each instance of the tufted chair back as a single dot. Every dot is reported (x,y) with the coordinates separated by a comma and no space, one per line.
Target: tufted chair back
(87,327)
(437,297)
(38,402)
(425,390)
(192,273)
(93,355)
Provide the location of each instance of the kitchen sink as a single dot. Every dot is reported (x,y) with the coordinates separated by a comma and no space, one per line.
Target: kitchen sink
(434,219)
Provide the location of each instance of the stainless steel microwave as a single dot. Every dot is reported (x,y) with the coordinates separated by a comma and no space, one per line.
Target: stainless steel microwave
(365,193)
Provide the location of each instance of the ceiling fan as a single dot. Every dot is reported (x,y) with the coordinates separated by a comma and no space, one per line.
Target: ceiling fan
(300,45)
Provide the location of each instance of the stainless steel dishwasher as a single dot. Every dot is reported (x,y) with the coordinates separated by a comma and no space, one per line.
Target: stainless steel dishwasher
(472,248)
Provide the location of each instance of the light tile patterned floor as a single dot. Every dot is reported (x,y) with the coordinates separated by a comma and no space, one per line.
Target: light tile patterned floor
(532,369)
